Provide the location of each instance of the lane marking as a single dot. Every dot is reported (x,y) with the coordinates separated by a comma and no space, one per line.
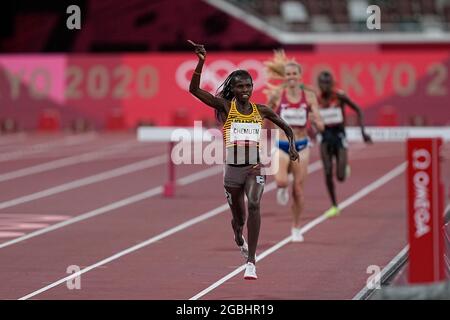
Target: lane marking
(12,224)
(113,206)
(37,148)
(311,168)
(72,160)
(114,173)
(360,194)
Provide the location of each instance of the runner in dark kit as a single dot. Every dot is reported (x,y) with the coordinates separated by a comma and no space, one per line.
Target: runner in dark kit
(241,121)
(334,144)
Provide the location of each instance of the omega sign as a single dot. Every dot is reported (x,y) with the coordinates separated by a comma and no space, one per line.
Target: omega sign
(425,208)
(421,180)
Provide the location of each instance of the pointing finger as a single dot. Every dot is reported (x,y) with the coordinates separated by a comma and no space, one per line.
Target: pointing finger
(193,43)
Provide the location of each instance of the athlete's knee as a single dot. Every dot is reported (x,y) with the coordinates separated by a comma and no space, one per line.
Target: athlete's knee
(253,206)
(282,182)
(297,192)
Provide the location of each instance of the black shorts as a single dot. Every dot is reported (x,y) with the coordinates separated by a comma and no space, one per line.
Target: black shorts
(334,139)
(236,176)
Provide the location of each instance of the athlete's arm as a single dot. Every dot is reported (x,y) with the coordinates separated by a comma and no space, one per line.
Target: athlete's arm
(346,100)
(274,100)
(315,117)
(269,114)
(194,87)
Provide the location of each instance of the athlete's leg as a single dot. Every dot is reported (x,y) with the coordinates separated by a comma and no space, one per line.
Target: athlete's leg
(281,176)
(341,163)
(327,162)
(254,187)
(235,198)
(300,171)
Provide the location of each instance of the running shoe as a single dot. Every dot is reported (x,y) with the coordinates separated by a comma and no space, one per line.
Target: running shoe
(297,235)
(332,212)
(282,196)
(250,272)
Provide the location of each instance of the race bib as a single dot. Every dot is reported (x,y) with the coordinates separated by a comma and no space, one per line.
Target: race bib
(332,116)
(245,132)
(294,117)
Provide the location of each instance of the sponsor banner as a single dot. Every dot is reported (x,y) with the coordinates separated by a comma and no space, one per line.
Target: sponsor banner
(425,216)
(153,88)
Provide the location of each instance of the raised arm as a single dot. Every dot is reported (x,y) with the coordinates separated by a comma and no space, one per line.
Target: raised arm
(346,100)
(269,114)
(217,103)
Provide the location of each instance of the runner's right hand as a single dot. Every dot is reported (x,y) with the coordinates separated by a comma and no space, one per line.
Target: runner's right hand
(199,50)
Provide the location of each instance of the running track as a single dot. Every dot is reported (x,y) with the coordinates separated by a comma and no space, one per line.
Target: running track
(94,201)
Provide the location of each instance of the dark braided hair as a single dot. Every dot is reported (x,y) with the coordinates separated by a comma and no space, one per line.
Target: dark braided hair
(227,87)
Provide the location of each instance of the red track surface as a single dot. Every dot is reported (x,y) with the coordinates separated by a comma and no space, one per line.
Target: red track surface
(330,264)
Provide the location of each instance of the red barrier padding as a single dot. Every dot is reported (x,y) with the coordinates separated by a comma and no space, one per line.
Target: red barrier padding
(116,121)
(388,117)
(49,121)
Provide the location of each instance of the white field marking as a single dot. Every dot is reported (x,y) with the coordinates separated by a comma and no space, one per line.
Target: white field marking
(360,194)
(37,148)
(12,223)
(311,168)
(60,163)
(115,205)
(12,138)
(117,172)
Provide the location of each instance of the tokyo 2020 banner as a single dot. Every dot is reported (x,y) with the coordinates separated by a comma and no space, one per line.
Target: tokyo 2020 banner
(153,88)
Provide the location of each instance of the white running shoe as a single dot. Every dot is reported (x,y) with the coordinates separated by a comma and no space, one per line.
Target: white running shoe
(297,235)
(282,196)
(250,272)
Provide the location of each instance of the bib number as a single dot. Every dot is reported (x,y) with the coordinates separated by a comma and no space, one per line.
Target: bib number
(294,117)
(245,132)
(331,116)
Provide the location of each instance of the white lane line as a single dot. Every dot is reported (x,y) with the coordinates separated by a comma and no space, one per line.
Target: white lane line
(115,205)
(65,162)
(37,148)
(311,168)
(360,194)
(117,172)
